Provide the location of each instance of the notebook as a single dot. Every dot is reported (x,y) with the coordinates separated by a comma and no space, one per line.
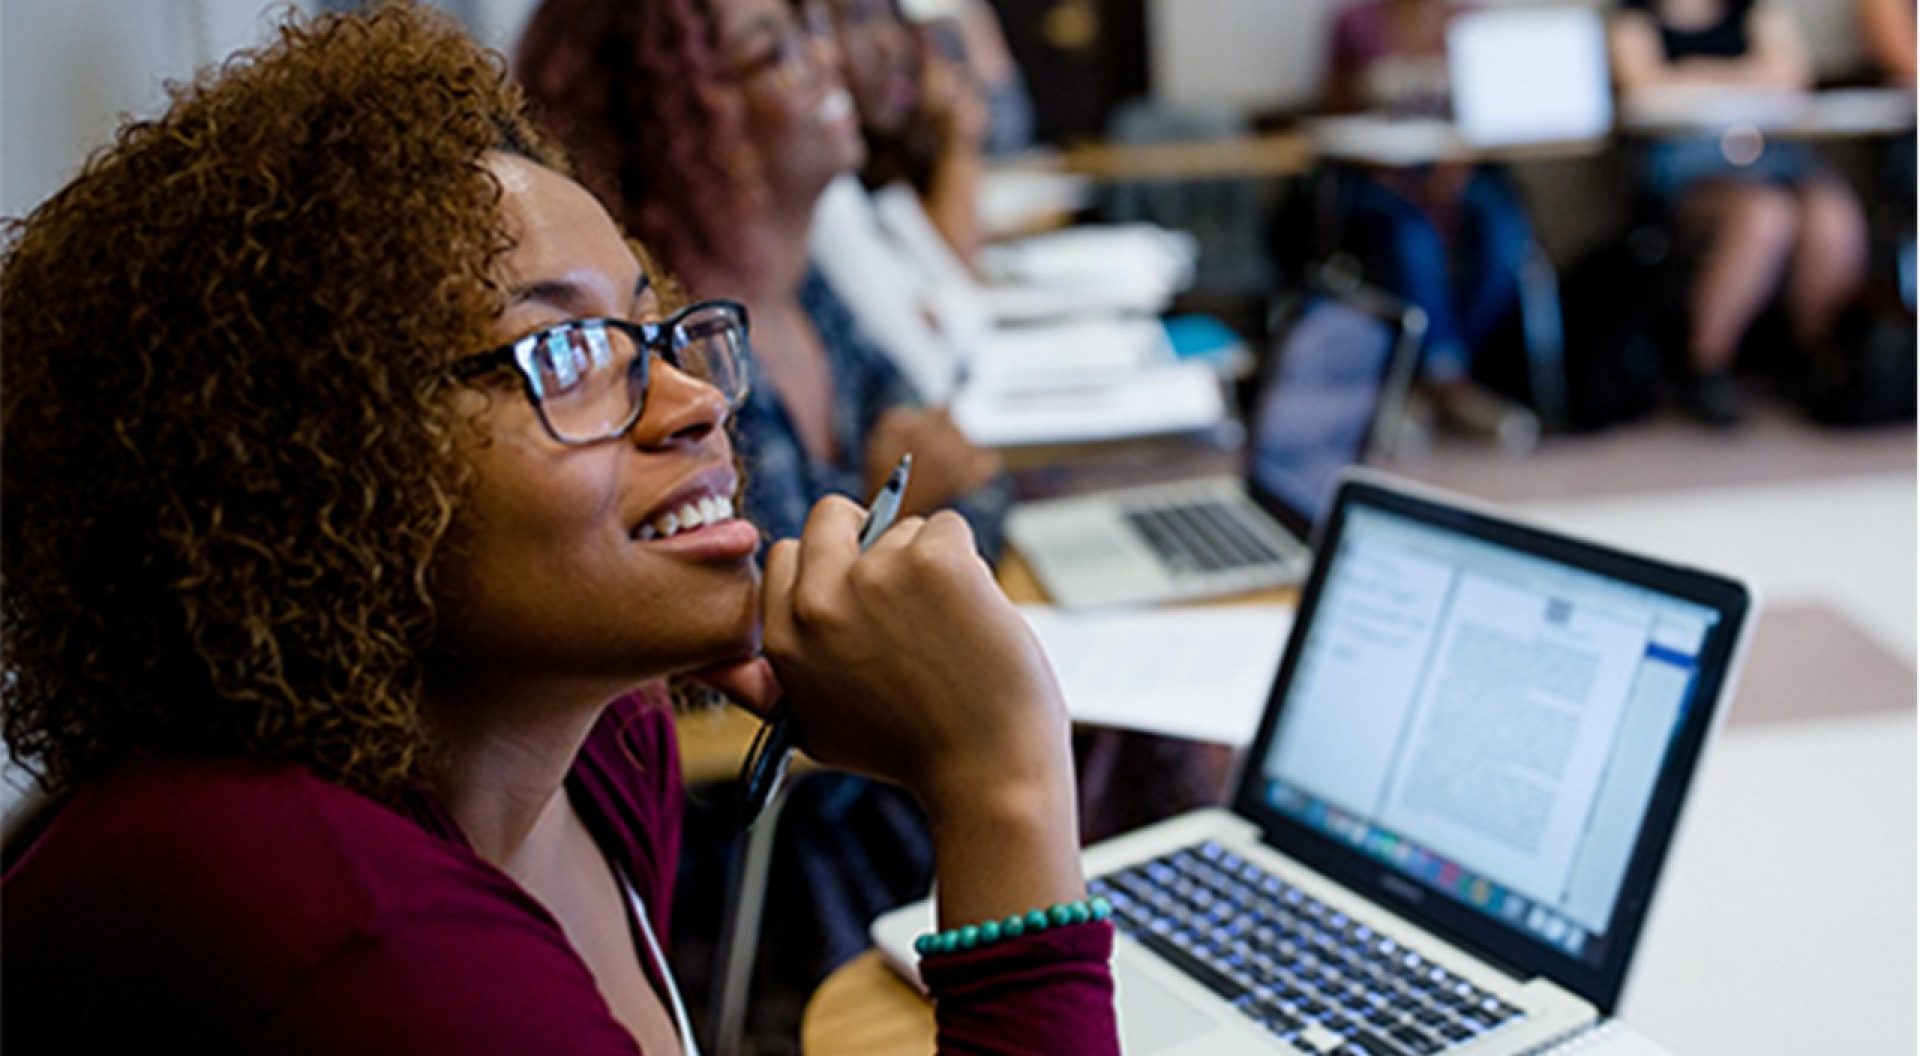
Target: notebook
(1328,396)
(1450,824)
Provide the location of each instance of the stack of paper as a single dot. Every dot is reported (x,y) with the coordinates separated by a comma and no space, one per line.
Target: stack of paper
(1198,672)
(1015,198)
(1156,400)
(1142,259)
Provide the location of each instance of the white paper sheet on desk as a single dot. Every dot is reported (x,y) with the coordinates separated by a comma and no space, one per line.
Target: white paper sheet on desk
(1096,349)
(1128,255)
(1199,672)
(1012,199)
(1381,140)
(1030,304)
(1174,398)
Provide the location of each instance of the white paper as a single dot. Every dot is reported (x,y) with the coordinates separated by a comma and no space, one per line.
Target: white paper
(1092,350)
(1126,255)
(1382,140)
(1024,304)
(1176,398)
(1015,198)
(1198,672)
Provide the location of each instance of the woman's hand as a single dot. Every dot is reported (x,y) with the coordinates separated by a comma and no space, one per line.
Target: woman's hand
(946,465)
(907,662)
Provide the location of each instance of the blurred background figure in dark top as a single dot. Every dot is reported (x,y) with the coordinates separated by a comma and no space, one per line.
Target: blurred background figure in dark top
(1767,214)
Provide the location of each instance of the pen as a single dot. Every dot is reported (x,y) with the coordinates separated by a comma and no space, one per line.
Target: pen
(766,763)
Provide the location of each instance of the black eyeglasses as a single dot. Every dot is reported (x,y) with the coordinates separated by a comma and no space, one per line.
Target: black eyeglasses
(587,378)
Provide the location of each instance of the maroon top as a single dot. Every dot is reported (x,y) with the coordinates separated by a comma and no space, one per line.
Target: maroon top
(227,905)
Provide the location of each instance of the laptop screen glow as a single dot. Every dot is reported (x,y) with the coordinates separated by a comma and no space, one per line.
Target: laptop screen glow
(1314,415)
(1535,75)
(1487,723)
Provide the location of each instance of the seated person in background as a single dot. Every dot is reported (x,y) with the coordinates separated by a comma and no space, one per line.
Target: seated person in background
(1449,238)
(1767,213)
(1887,31)
(331,632)
(710,130)
(922,113)
(882,246)
(1887,34)
(983,45)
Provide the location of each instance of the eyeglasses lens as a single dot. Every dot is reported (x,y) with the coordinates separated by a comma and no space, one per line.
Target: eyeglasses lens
(584,379)
(710,343)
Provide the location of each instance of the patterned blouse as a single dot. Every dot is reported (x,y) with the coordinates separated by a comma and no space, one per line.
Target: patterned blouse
(784,480)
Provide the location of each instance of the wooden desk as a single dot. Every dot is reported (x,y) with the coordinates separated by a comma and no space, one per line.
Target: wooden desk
(865,1008)
(1851,113)
(1271,156)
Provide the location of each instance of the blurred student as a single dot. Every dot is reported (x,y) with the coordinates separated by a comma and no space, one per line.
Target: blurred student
(1887,33)
(1449,238)
(983,45)
(924,116)
(1767,213)
(711,131)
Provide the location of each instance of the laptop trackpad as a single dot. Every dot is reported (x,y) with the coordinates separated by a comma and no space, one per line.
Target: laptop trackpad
(1153,1018)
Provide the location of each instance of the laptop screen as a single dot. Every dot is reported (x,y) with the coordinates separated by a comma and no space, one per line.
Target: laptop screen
(1315,412)
(1535,75)
(1486,722)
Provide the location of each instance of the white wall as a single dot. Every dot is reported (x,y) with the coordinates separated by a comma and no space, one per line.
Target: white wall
(70,69)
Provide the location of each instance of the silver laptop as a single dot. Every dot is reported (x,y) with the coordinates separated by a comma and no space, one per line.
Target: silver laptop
(1329,396)
(1450,823)
(1531,75)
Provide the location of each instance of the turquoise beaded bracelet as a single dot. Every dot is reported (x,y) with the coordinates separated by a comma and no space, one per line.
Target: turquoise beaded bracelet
(972,936)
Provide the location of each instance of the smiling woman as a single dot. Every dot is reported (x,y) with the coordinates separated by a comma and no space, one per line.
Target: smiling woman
(336,635)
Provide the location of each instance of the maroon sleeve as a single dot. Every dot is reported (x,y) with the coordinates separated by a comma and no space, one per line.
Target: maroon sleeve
(454,984)
(1048,993)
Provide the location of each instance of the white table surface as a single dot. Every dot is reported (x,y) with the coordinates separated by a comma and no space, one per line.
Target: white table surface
(1785,921)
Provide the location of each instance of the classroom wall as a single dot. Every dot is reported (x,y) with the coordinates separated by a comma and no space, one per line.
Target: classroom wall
(69,70)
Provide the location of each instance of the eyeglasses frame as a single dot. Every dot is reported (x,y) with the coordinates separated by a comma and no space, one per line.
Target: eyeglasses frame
(654,339)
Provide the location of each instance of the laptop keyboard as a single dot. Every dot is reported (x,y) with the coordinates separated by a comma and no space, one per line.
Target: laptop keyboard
(1203,536)
(1305,971)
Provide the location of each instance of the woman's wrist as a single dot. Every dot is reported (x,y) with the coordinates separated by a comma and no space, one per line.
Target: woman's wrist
(1005,842)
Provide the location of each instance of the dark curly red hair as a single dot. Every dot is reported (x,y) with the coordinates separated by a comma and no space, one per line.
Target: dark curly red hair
(229,458)
(638,94)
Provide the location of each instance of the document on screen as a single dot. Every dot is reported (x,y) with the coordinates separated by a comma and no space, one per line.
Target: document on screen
(1510,731)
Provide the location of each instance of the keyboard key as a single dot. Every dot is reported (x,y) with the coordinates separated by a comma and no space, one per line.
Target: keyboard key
(1367,1043)
(1414,1041)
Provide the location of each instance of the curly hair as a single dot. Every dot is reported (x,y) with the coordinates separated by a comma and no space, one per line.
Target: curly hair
(227,453)
(637,93)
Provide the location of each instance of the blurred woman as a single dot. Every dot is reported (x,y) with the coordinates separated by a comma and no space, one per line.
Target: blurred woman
(924,116)
(1886,29)
(1767,213)
(351,488)
(711,130)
